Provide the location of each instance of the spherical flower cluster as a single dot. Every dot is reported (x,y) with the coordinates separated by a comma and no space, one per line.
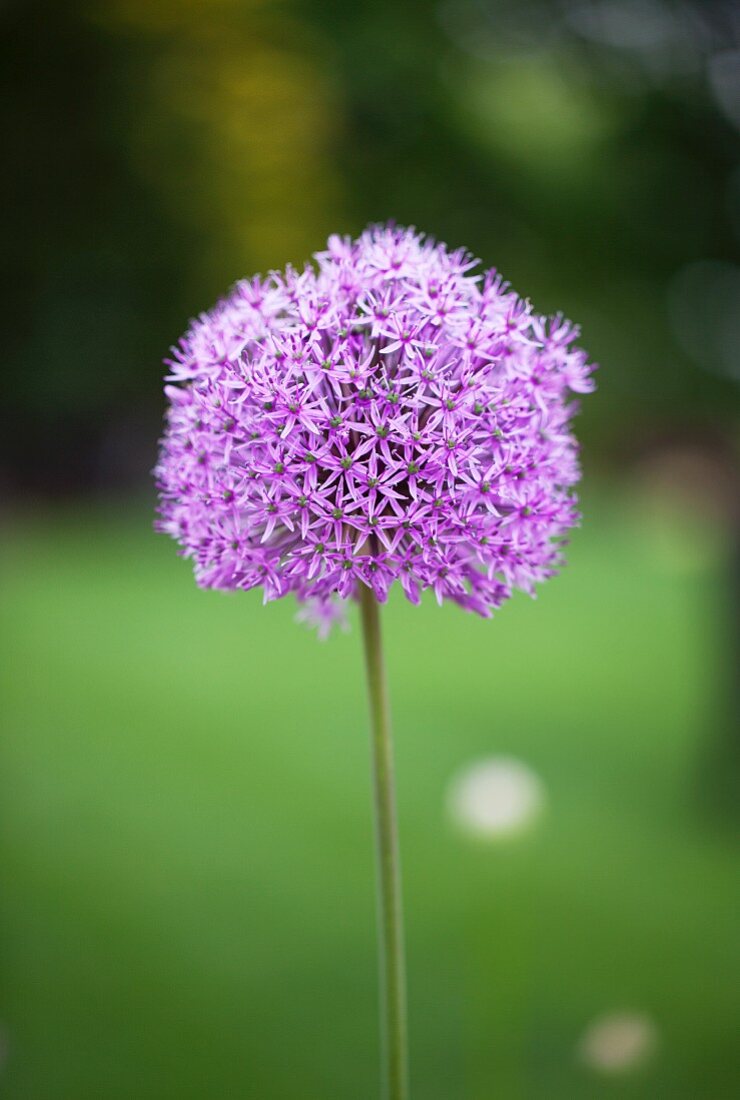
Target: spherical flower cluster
(384,415)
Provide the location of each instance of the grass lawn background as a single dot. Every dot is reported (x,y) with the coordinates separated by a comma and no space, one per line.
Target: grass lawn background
(186,853)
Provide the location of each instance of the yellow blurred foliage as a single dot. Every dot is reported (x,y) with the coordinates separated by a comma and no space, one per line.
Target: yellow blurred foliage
(232,121)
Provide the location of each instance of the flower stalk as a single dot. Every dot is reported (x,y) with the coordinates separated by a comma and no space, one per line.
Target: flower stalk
(390,915)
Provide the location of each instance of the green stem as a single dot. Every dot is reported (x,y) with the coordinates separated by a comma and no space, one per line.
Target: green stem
(392,966)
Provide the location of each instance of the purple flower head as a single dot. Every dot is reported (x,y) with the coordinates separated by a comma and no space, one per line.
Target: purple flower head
(383,416)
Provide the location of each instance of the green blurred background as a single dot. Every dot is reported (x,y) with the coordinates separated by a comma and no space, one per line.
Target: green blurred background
(186,850)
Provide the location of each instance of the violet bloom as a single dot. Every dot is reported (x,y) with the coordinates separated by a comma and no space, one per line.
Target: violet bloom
(383,416)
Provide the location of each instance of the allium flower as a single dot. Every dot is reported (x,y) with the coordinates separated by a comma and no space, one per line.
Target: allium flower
(383,416)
